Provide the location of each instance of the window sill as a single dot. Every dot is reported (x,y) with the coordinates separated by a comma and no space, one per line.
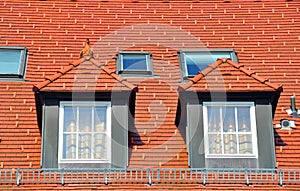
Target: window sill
(230,156)
(84,164)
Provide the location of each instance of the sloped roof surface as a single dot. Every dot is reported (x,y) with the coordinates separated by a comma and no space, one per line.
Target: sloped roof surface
(226,75)
(265,34)
(84,76)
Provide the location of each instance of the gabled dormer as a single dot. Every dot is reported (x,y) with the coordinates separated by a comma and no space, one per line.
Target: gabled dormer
(84,114)
(227,113)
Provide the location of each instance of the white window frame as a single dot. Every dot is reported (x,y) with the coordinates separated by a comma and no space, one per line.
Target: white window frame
(64,104)
(252,123)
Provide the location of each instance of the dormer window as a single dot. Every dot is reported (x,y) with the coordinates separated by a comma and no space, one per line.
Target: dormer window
(194,61)
(133,64)
(84,135)
(231,130)
(12,62)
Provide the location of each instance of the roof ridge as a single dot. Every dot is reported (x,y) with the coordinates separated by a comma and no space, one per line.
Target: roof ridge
(54,77)
(76,63)
(200,75)
(114,75)
(255,76)
(240,67)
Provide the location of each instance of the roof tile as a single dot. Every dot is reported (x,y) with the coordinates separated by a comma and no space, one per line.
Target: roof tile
(265,35)
(59,81)
(232,76)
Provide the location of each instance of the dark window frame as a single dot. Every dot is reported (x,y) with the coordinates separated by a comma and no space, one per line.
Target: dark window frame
(20,74)
(48,118)
(191,124)
(182,59)
(134,73)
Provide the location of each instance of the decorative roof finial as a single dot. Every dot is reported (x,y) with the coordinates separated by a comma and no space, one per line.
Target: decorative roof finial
(87,51)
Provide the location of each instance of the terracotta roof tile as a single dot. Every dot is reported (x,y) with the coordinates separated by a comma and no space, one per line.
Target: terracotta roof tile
(264,33)
(226,72)
(85,71)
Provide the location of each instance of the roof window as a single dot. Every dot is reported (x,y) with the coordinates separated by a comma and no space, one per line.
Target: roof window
(12,62)
(194,61)
(131,64)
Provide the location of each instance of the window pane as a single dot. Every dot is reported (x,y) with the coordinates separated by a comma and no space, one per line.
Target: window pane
(10,61)
(196,62)
(100,119)
(134,62)
(214,121)
(85,119)
(245,144)
(228,114)
(229,130)
(70,119)
(69,147)
(84,133)
(243,114)
(215,144)
(230,144)
(84,146)
(100,148)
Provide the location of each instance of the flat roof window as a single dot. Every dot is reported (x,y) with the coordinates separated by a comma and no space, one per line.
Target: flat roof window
(194,61)
(12,62)
(133,64)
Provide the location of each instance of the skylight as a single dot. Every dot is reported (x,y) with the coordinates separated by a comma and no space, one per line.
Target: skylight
(12,62)
(132,64)
(195,61)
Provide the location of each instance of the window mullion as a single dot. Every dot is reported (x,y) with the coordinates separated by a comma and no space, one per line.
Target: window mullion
(93,133)
(222,131)
(237,130)
(77,132)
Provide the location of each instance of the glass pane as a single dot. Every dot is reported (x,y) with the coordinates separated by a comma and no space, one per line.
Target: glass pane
(228,114)
(243,114)
(10,61)
(100,148)
(230,144)
(69,119)
(69,146)
(245,144)
(134,62)
(214,121)
(214,144)
(196,62)
(85,119)
(84,146)
(100,119)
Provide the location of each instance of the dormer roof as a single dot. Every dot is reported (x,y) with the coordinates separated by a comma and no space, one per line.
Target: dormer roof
(229,76)
(84,75)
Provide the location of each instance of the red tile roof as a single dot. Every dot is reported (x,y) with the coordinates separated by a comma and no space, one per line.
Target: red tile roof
(265,34)
(226,75)
(84,75)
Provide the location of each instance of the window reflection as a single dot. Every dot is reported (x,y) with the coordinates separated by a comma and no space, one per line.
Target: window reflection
(85,133)
(85,119)
(228,119)
(230,144)
(215,142)
(243,115)
(198,61)
(134,62)
(214,121)
(229,130)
